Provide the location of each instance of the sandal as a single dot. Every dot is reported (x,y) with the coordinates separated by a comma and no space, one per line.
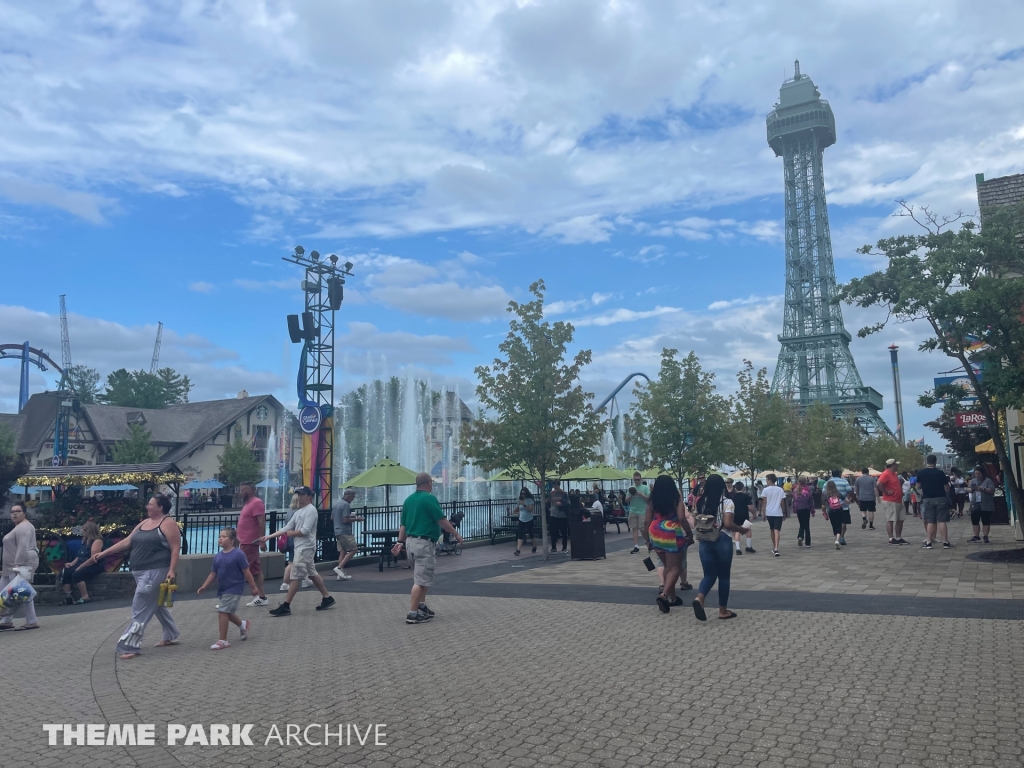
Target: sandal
(663,604)
(166,643)
(83,601)
(677,600)
(220,645)
(24,627)
(728,615)
(685,586)
(698,611)
(127,656)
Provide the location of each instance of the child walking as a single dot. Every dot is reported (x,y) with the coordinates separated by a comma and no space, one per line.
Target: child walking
(231,570)
(832,510)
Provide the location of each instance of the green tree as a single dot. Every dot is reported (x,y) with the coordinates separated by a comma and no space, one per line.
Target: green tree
(85,381)
(237,464)
(818,441)
(968,287)
(681,424)
(878,449)
(543,422)
(141,389)
(758,425)
(12,466)
(137,448)
(176,386)
(960,441)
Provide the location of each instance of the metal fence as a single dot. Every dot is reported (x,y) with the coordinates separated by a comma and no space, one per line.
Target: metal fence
(480,521)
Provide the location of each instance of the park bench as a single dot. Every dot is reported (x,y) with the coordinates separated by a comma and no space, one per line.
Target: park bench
(617,521)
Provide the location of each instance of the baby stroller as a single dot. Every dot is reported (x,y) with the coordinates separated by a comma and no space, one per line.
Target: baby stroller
(447,545)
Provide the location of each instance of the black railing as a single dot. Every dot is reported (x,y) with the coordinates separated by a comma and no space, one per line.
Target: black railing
(199,531)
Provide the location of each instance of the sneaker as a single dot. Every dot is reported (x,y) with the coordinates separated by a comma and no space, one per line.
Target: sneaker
(863,523)
(902,541)
(974,538)
(775,552)
(426,611)
(284,586)
(516,553)
(243,630)
(799,542)
(220,645)
(342,576)
(282,610)
(893,541)
(751,550)
(325,603)
(838,545)
(634,550)
(256,602)
(927,545)
(738,551)
(415,617)
(946,545)
(553,551)
(986,541)
(307,583)
(842,540)
(69,600)
(871,527)
(534,550)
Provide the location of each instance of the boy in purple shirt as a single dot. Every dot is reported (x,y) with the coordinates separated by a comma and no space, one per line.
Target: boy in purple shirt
(231,570)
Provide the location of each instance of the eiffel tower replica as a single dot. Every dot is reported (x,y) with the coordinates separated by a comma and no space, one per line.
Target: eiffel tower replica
(815,363)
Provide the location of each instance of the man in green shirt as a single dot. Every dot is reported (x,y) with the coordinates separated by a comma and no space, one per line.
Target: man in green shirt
(638,496)
(422,522)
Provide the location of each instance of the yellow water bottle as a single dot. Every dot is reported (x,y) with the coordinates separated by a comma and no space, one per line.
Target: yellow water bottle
(171,589)
(162,596)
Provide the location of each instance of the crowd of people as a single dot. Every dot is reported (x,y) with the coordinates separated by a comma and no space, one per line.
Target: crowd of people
(716,515)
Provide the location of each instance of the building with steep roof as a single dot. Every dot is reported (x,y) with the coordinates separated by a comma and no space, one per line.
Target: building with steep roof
(192,435)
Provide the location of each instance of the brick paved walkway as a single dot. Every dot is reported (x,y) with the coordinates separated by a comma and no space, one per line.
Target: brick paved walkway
(505,681)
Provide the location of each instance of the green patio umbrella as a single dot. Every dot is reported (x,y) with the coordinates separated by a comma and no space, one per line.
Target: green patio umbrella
(599,472)
(511,475)
(384,473)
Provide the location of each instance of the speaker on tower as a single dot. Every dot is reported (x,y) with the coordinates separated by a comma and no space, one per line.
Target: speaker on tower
(294,331)
(335,292)
(309,329)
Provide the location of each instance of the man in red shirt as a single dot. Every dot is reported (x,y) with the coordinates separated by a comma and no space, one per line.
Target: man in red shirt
(252,524)
(891,488)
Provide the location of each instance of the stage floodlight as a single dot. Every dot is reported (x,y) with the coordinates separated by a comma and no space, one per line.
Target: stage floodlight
(348,266)
(299,250)
(294,331)
(334,260)
(314,255)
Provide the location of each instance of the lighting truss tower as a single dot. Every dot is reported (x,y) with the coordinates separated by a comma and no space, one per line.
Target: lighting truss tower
(323,288)
(815,363)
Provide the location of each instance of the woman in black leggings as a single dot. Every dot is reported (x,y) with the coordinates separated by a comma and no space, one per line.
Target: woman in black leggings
(803,503)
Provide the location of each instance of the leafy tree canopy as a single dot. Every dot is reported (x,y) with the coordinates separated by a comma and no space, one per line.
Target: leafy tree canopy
(137,448)
(237,464)
(85,381)
(759,422)
(141,389)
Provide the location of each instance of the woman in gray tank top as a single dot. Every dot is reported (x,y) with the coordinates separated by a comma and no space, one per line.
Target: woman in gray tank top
(155,544)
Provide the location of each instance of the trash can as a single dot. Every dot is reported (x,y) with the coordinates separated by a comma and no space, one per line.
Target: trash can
(586,538)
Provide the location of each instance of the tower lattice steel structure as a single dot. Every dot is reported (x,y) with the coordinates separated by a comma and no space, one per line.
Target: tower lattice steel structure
(815,363)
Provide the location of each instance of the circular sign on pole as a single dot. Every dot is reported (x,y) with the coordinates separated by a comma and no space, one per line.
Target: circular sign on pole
(309,419)
(56,461)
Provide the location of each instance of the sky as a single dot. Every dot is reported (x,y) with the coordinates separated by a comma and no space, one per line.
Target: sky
(157,160)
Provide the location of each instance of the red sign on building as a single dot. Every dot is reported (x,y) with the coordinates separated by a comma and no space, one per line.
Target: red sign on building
(971,419)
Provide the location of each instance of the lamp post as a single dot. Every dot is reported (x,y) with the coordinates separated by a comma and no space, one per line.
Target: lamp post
(894,357)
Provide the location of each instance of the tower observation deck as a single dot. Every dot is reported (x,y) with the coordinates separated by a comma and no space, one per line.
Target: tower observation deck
(815,363)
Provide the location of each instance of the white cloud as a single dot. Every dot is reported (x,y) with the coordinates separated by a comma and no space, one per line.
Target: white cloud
(401,347)
(649,254)
(581,229)
(201,286)
(448,300)
(215,371)
(561,118)
(718,305)
(562,307)
(623,315)
(600,298)
(84,205)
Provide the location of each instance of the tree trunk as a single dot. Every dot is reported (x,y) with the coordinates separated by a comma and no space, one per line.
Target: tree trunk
(543,519)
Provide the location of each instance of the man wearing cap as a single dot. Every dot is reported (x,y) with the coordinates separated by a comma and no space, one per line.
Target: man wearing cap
(639,492)
(422,522)
(301,529)
(891,489)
